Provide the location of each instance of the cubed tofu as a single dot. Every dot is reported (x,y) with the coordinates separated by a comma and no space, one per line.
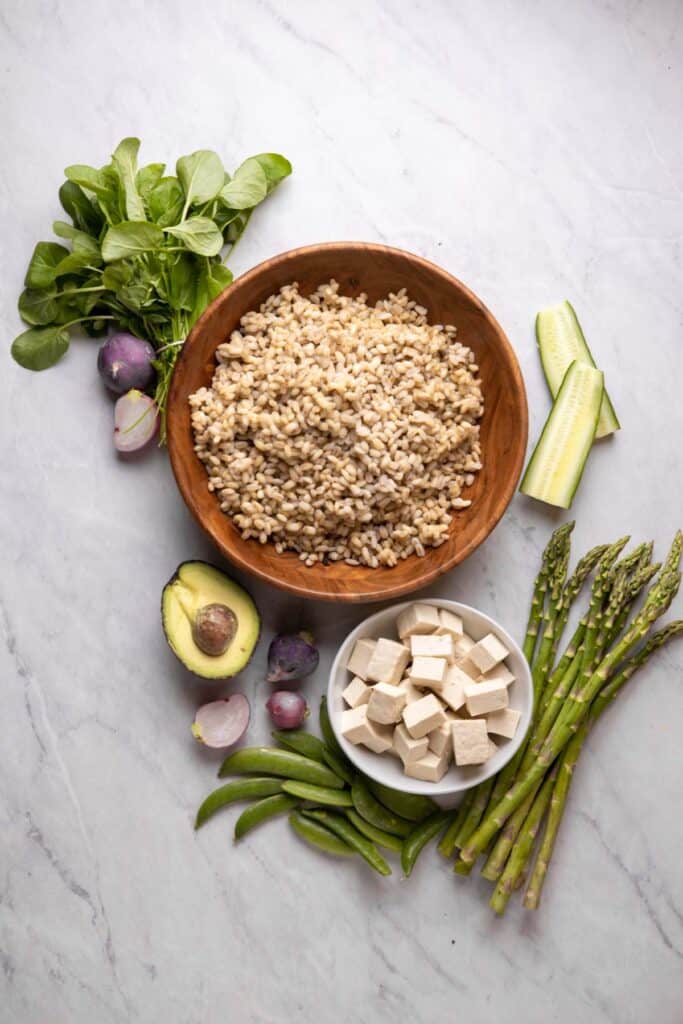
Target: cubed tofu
(493,748)
(501,674)
(482,698)
(440,740)
(503,722)
(449,623)
(412,693)
(356,693)
(406,747)
(357,728)
(429,672)
(433,647)
(471,743)
(423,716)
(488,652)
(429,768)
(463,646)
(452,693)
(360,657)
(386,703)
(419,618)
(387,662)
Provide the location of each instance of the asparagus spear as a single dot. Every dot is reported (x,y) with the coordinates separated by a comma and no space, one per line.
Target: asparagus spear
(447,844)
(553,550)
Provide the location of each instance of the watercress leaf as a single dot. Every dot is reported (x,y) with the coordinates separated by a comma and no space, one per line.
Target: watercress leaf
(91,179)
(249,186)
(85,215)
(38,305)
(237,226)
(135,295)
(181,283)
(218,278)
(41,269)
(116,275)
(147,177)
(130,238)
(165,202)
(81,241)
(200,235)
(76,261)
(274,166)
(224,215)
(201,299)
(40,347)
(125,161)
(201,175)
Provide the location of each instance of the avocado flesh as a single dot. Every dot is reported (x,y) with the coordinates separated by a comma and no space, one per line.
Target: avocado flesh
(194,585)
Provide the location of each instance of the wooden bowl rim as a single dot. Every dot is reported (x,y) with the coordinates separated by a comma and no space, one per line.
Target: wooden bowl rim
(385,589)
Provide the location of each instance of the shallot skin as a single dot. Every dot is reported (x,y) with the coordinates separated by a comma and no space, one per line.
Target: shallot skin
(125,362)
(287,709)
(136,422)
(291,657)
(222,722)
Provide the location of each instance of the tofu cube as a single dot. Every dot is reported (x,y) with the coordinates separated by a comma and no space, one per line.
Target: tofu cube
(406,747)
(463,646)
(440,742)
(360,657)
(357,728)
(449,624)
(419,618)
(387,662)
(493,747)
(503,722)
(482,698)
(501,674)
(433,647)
(423,716)
(471,743)
(488,653)
(356,693)
(412,693)
(429,672)
(429,768)
(386,703)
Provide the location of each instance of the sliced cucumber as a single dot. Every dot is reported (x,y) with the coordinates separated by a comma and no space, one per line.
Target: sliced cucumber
(556,466)
(560,340)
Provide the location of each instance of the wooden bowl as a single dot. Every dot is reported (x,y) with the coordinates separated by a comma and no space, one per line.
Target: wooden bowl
(376,270)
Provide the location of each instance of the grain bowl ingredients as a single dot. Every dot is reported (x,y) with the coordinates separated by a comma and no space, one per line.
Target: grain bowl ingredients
(136,422)
(125,362)
(222,722)
(287,710)
(292,657)
(341,430)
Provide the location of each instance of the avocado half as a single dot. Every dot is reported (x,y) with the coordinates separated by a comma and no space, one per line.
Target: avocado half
(192,586)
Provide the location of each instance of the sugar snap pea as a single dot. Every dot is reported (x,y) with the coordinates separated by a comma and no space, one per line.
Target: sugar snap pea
(375,813)
(340,767)
(326,729)
(238,789)
(448,841)
(285,763)
(344,829)
(385,839)
(262,810)
(423,832)
(317,835)
(318,794)
(301,742)
(412,806)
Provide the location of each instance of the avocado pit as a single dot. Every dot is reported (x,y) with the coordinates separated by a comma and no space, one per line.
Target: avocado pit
(214,629)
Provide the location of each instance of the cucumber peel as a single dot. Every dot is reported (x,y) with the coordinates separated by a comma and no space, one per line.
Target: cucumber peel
(560,341)
(556,466)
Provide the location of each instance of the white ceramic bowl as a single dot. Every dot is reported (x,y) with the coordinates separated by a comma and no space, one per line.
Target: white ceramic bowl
(386,768)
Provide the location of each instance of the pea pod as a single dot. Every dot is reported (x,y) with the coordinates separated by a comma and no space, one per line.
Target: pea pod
(448,842)
(238,789)
(375,813)
(273,761)
(317,835)
(338,824)
(301,742)
(261,811)
(318,794)
(423,833)
(340,767)
(394,843)
(412,806)
(326,729)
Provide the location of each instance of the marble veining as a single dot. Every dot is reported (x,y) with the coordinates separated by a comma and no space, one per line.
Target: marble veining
(535,151)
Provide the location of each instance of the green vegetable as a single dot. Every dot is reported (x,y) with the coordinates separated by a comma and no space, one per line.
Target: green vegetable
(340,767)
(239,789)
(262,811)
(328,732)
(318,794)
(560,342)
(412,806)
(273,761)
(352,837)
(423,833)
(385,839)
(376,813)
(558,461)
(145,252)
(301,742)
(317,835)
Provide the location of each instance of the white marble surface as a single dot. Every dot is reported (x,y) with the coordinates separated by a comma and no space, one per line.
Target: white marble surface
(534,149)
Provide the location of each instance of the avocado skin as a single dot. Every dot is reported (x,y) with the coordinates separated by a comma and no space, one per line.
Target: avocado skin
(213,669)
